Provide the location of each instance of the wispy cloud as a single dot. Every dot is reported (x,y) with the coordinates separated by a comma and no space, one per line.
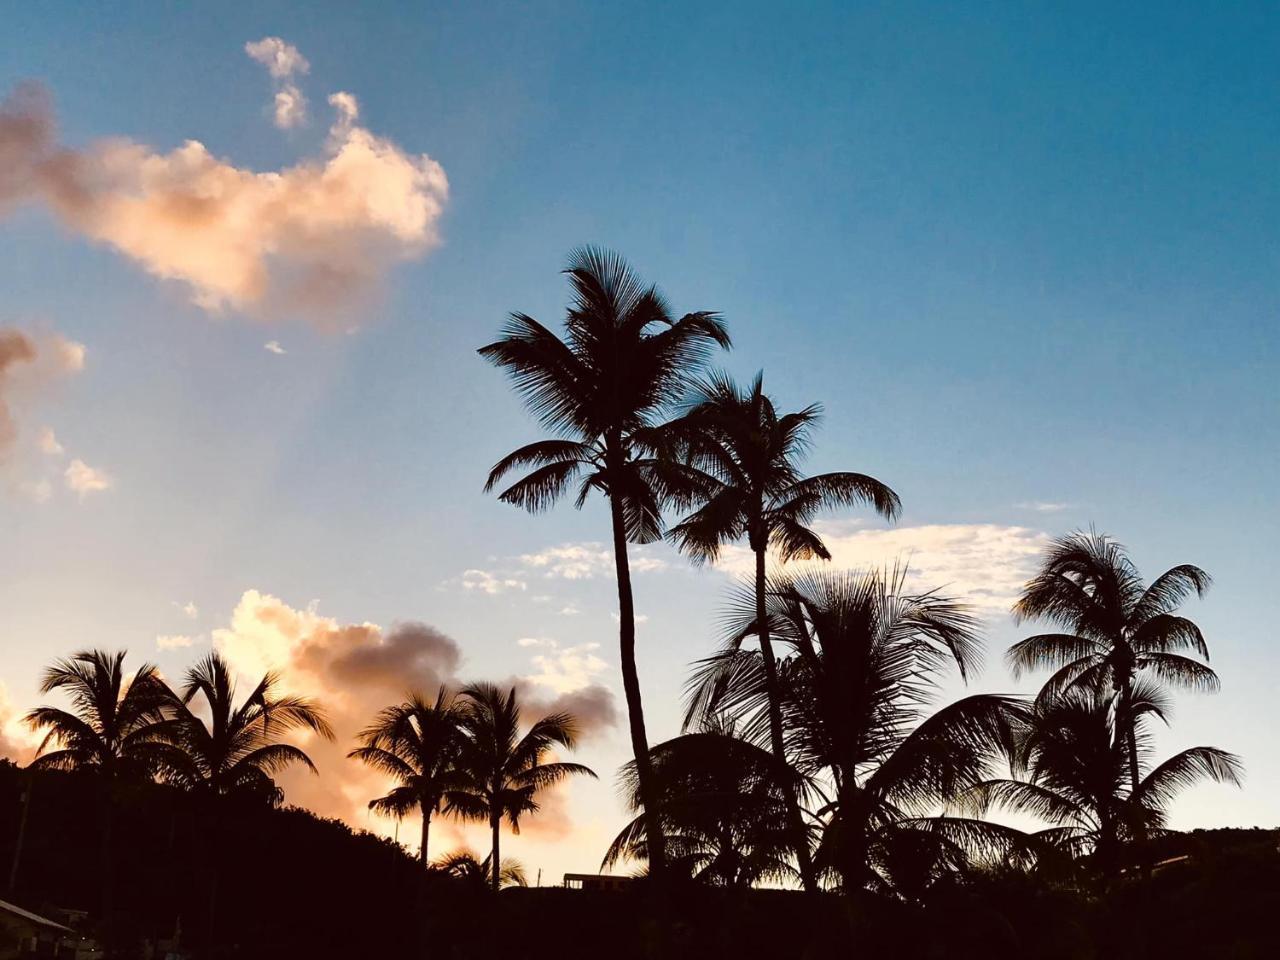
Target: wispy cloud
(175,641)
(584,561)
(273,346)
(48,443)
(83,479)
(284,62)
(309,239)
(983,564)
(1044,506)
(483,581)
(189,609)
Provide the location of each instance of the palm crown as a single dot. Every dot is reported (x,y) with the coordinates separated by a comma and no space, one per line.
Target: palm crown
(238,751)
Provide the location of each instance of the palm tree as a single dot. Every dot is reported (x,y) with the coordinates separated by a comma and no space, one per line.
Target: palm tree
(862,661)
(752,453)
(239,750)
(601,391)
(417,743)
(1119,627)
(1072,769)
(466,866)
(114,728)
(501,771)
(723,811)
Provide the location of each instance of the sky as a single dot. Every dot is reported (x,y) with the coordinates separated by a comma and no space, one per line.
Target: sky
(1025,255)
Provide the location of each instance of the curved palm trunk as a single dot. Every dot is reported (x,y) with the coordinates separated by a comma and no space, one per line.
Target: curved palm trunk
(631,688)
(799,841)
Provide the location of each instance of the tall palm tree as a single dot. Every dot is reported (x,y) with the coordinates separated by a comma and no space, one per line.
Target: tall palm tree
(753,455)
(862,661)
(417,743)
(501,770)
(723,811)
(1119,627)
(1072,769)
(601,391)
(114,728)
(239,749)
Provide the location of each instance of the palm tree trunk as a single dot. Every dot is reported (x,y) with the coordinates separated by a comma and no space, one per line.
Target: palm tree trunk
(495,824)
(631,687)
(799,842)
(108,888)
(27,786)
(1130,725)
(426,836)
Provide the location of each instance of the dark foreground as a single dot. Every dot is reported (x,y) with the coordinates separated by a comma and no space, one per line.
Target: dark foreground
(251,882)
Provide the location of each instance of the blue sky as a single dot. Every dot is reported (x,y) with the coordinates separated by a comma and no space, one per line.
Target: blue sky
(1025,254)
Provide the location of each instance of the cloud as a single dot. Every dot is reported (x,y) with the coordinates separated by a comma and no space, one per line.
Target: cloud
(482,581)
(17,741)
(983,564)
(37,491)
(175,641)
(189,609)
(47,440)
(29,364)
(273,346)
(282,60)
(584,561)
(1042,506)
(314,238)
(84,479)
(567,670)
(352,670)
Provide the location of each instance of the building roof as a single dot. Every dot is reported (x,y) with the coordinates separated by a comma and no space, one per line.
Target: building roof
(35,918)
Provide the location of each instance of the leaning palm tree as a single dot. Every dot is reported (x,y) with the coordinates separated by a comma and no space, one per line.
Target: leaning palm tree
(752,453)
(601,391)
(239,749)
(862,659)
(723,811)
(1072,770)
(501,771)
(417,743)
(1119,627)
(466,866)
(114,728)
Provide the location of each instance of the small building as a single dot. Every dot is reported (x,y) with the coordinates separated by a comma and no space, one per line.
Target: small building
(27,934)
(597,881)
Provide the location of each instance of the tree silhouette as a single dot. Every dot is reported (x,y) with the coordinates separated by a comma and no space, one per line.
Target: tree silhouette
(1120,627)
(417,743)
(465,866)
(239,749)
(501,771)
(752,454)
(601,391)
(723,811)
(863,660)
(115,728)
(1072,769)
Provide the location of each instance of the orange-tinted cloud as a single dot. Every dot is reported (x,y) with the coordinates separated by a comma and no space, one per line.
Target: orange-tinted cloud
(311,238)
(32,363)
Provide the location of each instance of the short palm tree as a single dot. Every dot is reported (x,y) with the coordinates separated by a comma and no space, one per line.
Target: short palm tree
(723,811)
(501,771)
(1072,769)
(466,866)
(417,743)
(862,660)
(752,453)
(602,390)
(1120,628)
(239,749)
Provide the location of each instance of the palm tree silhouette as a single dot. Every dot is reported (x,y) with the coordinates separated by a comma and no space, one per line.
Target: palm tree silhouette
(863,659)
(115,728)
(417,743)
(723,811)
(1120,627)
(502,771)
(239,749)
(752,453)
(1072,767)
(466,866)
(624,361)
